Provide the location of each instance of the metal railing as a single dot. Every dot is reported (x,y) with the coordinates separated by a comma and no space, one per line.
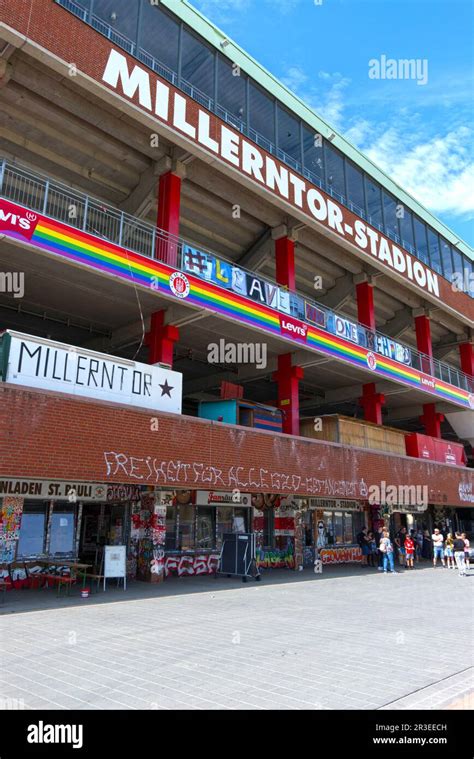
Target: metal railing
(58,201)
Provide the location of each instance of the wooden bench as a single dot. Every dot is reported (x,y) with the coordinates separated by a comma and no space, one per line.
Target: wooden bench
(61,580)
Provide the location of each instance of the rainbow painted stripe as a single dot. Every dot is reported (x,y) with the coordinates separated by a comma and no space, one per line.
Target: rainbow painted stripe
(72,244)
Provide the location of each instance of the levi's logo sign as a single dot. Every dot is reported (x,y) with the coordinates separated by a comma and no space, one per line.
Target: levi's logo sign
(293,327)
(15,219)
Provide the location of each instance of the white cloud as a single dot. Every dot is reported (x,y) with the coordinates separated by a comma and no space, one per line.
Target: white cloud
(439,172)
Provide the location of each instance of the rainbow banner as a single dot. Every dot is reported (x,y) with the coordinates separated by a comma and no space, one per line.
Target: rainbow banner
(64,241)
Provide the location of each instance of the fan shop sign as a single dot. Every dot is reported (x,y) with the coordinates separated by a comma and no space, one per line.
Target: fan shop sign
(45,364)
(181,113)
(54,489)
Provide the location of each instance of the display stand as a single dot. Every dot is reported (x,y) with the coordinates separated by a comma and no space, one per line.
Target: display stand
(115,564)
(238,556)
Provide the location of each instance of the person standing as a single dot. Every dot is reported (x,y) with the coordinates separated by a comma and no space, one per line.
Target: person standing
(467,546)
(386,546)
(378,538)
(418,537)
(363,543)
(400,543)
(409,551)
(427,551)
(449,551)
(372,557)
(459,547)
(438,541)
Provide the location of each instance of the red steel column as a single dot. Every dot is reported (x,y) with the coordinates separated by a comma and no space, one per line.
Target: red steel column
(466,353)
(431,420)
(161,339)
(365,304)
(169,202)
(288,377)
(423,341)
(372,403)
(285,262)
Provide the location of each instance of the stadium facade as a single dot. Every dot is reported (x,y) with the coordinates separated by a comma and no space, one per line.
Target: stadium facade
(218,314)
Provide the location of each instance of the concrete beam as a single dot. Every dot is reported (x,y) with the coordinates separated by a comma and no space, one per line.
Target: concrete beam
(338,295)
(143,195)
(258,253)
(402,321)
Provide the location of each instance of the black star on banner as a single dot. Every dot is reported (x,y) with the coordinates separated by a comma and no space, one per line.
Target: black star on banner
(166,389)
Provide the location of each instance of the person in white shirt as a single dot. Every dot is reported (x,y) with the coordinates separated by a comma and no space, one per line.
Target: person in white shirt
(438,542)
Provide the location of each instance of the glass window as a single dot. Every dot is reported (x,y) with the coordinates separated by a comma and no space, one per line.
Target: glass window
(374,203)
(240,520)
(338,529)
(159,35)
(62,531)
(469,267)
(348,536)
(288,133)
(187,516)
(197,65)
(433,245)
(446,259)
(334,170)
(224,522)
(313,152)
(205,527)
(355,186)
(171,524)
(262,113)
(328,522)
(390,214)
(406,226)
(121,15)
(421,241)
(458,265)
(231,89)
(32,531)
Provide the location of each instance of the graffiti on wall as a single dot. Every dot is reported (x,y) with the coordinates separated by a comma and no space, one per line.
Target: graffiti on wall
(10,522)
(152,470)
(204,564)
(276,558)
(340,555)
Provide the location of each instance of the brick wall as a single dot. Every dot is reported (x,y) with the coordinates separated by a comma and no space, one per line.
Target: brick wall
(47,435)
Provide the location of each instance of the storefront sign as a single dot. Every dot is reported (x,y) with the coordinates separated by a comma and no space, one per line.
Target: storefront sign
(123,492)
(338,505)
(45,364)
(220,498)
(342,555)
(49,489)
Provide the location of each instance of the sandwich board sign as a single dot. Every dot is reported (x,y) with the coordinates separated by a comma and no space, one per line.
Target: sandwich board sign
(115,563)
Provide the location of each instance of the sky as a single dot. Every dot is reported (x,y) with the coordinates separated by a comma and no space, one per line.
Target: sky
(419,130)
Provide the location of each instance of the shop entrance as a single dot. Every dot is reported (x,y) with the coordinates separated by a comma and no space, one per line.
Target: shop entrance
(102,524)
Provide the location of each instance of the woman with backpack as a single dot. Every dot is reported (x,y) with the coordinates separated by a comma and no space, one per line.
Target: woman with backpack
(386,547)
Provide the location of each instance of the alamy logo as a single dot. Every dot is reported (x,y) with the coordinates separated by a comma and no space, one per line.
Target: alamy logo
(45,733)
(12,282)
(237,353)
(402,68)
(398,495)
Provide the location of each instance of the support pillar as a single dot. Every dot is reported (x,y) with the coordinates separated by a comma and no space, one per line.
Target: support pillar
(431,420)
(365,304)
(466,353)
(423,342)
(372,403)
(161,339)
(285,256)
(169,202)
(288,377)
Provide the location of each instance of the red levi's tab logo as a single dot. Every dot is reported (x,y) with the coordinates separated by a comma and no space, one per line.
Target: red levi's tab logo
(293,328)
(16,219)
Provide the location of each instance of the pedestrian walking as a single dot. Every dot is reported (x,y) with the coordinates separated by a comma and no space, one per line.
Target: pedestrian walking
(363,542)
(438,542)
(467,546)
(386,546)
(459,554)
(409,552)
(449,551)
